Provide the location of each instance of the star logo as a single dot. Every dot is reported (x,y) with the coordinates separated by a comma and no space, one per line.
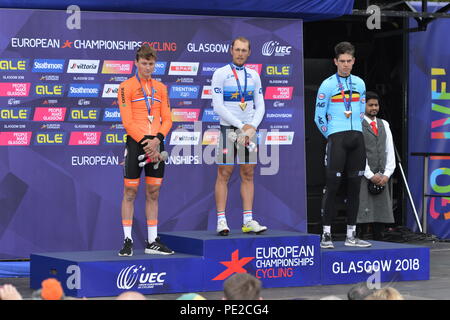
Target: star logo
(235,95)
(67,44)
(234,265)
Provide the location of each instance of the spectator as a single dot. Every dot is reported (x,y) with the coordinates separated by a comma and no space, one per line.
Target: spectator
(191,296)
(9,292)
(51,290)
(242,286)
(387,293)
(359,292)
(131,295)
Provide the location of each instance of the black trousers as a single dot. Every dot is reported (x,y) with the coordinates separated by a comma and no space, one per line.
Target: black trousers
(345,157)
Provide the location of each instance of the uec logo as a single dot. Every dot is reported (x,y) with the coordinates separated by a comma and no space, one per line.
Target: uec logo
(129,276)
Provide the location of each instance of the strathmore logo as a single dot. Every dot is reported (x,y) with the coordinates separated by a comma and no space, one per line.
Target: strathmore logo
(139,277)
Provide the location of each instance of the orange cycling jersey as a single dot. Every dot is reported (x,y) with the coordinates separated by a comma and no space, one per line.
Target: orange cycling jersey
(134,112)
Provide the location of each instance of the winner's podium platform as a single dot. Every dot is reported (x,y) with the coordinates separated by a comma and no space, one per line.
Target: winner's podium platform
(203,260)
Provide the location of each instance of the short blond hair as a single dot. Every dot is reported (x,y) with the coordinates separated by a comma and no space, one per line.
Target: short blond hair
(387,293)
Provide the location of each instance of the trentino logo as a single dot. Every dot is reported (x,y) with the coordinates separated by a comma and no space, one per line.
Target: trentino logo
(184,92)
(210,116)
(48,65)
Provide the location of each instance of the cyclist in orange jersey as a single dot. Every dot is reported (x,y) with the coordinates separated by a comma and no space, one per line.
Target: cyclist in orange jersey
(145,111)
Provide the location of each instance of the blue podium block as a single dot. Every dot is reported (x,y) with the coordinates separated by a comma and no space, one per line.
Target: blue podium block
(383,262)
(277,258)
(203,261)
(104,273)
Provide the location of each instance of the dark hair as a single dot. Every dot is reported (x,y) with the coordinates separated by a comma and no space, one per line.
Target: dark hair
(372,95)
(242,286)
(242,39)
(146,52)
(344,47)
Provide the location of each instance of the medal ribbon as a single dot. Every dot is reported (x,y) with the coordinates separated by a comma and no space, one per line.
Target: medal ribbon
(348,103)
(148,104)
(242,93)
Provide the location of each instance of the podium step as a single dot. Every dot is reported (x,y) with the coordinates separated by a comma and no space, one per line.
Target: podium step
(382,262)
(104,273)
(203,260)
(277,258)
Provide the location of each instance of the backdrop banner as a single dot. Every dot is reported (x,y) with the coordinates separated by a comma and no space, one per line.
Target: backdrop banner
(428,125)
(62,140)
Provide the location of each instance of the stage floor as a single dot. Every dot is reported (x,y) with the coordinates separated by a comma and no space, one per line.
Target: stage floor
(437,288)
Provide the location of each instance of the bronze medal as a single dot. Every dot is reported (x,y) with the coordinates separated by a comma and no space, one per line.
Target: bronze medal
(347,114)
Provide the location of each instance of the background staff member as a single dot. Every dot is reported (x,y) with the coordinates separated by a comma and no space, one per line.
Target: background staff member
(375,204)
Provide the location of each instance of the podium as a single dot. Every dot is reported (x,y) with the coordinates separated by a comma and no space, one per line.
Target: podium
(204,260)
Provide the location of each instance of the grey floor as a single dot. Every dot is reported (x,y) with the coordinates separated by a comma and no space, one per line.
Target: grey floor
(436,288)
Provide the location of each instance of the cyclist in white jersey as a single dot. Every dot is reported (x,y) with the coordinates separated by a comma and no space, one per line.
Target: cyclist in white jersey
(239,102)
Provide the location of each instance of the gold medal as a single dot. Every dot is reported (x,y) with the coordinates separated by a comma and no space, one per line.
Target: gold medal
(347,113)
(243,105)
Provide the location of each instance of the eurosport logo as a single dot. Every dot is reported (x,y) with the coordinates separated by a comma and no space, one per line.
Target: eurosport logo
(83,66)
(273,48)
(50,138)
(112,115)
(84,114)
(11,89)
(49,114)
(84,90)
(278,70)
(140,277)
(15,114)
(117,67)
(48,90)
(14,65)
(48,65)
(184,138)
(183,68)
(160,68)
(114,138)
(208,47)
(210,116)
(284,115)
(279,138)
(110,90)
(184,92)
(208,69)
